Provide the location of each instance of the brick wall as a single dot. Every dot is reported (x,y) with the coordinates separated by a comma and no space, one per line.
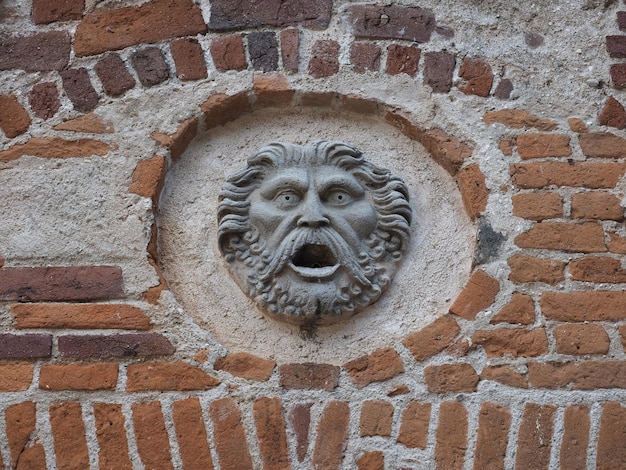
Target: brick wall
(526,369)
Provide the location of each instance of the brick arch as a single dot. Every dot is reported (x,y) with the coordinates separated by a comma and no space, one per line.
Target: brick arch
(274,91)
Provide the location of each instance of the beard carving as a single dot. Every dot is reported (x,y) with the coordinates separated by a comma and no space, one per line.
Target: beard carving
(313,234)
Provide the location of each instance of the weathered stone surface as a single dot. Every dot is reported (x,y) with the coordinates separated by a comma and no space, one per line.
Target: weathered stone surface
(79,89)
(150,66)
(39,52)
(44,100)
(438,69)
(263,50)
(392,22)
(189,59)
(14,120)
(107,30)
(49,11)
(116,79)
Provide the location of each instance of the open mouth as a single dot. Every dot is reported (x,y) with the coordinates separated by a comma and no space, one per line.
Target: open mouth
(314,261)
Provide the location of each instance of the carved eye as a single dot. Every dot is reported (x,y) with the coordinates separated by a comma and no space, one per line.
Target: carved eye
(338,197)
(287,199)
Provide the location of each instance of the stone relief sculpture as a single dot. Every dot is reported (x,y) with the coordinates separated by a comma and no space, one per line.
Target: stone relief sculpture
(314,233)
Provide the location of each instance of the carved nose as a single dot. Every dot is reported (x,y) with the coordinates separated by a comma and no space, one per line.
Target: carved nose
(313,214)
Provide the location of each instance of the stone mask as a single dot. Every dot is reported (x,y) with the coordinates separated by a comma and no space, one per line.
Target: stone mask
(313,234)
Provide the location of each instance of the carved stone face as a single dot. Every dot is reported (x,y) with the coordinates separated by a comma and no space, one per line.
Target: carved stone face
(312,234)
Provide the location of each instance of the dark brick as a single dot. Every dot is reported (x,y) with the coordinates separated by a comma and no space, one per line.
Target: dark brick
(14,120)
(503,89)
(49,11)
(189,59)
(621,20)
(478,77)
(324,59)
(150,66)
(116,79)
(25,346)
(618,75)
(392,22)
(229,15)
(289,49)
(533,40)
(616,46)
(37,53)
(438,69)
(300,420)
(79,89)
(263,50)
(364,56)
(227,53)
(120,345)
(61,283)
(402,59)
(309,375)
(44,100)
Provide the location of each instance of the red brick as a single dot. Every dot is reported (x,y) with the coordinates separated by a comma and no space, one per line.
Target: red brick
(616,244)
(518,342)
(189,59)
(493,433)
(151,436)
(49,11)
(221,108)
(111,29)
(79,316)
(150,66)
(584,306)
(300,420)
(597,205)
(504,375)
(586,237)
(602,145)
(618,75)
(149,176)
(32,458)
(577,125)
(537,206)
(263,50)
(230,438)
(191,434)
(589,375)
(246,365)
(413,431)
(611,447)
(177,142)
(324,60)
(15,376)
(228,53)
(14,120)
(477,295)
(451,436)
(445,149)
(616,46)
(290,49)
(390,22)
(451,378)
(85,377)
(576,423)
(376,418)
(433,338)
(520,310)
(402,59)
(39,52)
(114,345)
(613,114)
(88,123)
(167,376)
(597,269)
(332,432)
(518,119)
(271,433)
(323,100)
(28,346)
(535,437)
(44,100)
(477,76)
(543,146)
(531,269)
(373,460)
(474,191)
(20,422)
(68,429)
(115,78)
(581,339)
(364,57)
(79,90)
(309,375)
(226,15)
(503,89)
(271,90)
(52,147)
(438,70)
(380,365)
(538,175)
(111,434)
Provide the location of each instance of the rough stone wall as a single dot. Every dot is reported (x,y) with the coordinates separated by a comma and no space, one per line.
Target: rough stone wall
(521,104)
